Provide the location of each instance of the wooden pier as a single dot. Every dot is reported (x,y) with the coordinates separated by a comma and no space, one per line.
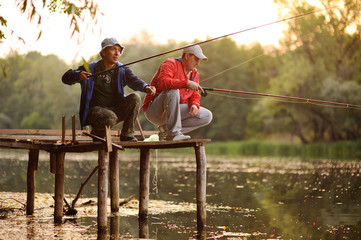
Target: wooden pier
(60,142)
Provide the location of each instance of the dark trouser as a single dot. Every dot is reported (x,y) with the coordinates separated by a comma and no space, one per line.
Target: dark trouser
(126,110)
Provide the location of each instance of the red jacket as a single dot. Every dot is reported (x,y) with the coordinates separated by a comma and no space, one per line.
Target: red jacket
(170,75)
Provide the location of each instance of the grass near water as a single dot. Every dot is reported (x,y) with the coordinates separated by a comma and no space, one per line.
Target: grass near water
(339,150)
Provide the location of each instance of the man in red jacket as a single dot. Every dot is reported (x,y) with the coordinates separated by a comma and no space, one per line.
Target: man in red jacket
(175,108)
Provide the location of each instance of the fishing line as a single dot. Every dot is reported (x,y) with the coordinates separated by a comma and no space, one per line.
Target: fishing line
(216,38)
(249,60)
(295,101)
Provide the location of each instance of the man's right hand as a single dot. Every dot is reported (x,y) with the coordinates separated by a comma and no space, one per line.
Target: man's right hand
(83,76)
(194,86)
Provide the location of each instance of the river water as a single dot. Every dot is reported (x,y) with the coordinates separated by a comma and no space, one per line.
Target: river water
(247,198)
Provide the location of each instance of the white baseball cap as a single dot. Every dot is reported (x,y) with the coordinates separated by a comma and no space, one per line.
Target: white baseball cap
(196,50)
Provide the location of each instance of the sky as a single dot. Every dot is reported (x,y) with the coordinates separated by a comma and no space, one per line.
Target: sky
(185,20)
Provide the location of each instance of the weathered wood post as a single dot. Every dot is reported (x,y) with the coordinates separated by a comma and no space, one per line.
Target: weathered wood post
(114,180)
(103,164)
(144,176)
(201,185)
(59,187)
(143,228)
(114,227)
(32,167)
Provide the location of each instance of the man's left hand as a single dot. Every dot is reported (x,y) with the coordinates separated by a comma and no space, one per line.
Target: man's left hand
(151,90)
(193,111)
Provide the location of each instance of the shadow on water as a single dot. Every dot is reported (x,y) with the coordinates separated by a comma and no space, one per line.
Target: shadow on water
(248,198)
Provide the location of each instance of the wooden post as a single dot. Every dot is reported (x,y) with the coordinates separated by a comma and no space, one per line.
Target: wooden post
(103,164)
(59,187)
(201,186)
(143,228)
(32,167)
(63,129)
(114,180)
(73,129)
(52,162)
(114,227)
(144,175)
(140,129)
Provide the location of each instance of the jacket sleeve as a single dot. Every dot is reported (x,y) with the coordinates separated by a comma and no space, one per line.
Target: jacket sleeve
(72,75)
(133,81)
(167,73)
(195,98)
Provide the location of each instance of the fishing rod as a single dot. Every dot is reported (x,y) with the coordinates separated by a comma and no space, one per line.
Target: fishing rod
(307,100)
(216,38)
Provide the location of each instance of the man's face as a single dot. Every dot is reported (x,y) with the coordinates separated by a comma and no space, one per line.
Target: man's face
(191,61)
(111,54)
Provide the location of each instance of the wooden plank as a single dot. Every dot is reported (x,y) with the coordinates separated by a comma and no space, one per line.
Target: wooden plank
(201,186)
(32,167)
(103,164)
(59,187)
(144,176)
(58,132)
(114,180)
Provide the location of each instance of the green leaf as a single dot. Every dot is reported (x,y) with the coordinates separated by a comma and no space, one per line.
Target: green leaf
(86,65)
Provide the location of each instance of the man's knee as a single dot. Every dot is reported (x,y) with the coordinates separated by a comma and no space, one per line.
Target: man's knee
(134,97)
(206,116)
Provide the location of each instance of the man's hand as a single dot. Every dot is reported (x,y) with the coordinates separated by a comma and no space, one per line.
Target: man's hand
(151,90)
(194,86)
(83,76)
(193,110)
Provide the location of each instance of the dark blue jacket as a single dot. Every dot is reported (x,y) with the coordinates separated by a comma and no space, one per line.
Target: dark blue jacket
(125,77)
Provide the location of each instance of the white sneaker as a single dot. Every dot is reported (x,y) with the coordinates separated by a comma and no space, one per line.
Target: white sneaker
(177,137)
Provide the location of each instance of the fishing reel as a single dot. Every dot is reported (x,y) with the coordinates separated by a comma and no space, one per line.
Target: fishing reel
(204,94)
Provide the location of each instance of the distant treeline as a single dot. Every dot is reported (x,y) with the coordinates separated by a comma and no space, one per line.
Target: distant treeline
(319,57)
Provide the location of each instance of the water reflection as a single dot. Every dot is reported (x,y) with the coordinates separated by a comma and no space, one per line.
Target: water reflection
(252,198)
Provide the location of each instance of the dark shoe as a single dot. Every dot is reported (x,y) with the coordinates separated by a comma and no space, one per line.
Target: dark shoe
(128,139)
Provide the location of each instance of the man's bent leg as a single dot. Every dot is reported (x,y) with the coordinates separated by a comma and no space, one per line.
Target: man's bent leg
(164,111)
(127,110)
(99,117)
(202,118)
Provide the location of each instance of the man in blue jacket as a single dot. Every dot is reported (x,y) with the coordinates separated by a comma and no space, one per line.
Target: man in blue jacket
(102,101)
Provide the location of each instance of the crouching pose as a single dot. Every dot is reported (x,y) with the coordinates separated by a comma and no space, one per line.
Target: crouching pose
(102,101)
(175,108)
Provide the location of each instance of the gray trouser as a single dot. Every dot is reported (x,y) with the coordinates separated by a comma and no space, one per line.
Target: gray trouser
(166,112)
(126,110)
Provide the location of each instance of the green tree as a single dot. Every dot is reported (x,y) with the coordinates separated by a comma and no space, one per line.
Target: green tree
(318,52)
(33,91)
